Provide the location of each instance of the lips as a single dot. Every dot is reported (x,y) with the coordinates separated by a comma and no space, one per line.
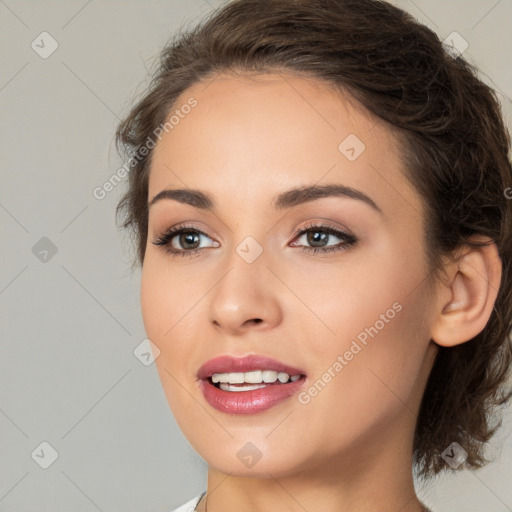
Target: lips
(249,401)
(229,364)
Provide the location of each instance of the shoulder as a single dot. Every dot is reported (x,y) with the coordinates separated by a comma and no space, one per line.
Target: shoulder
(189,506)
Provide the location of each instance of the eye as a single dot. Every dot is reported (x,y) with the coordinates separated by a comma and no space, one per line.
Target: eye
(183,240)
(186,240)
(322,238)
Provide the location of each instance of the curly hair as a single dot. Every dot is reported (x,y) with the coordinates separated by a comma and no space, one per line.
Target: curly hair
(454,143)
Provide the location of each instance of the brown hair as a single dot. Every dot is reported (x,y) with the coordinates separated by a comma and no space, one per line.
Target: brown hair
(455,147)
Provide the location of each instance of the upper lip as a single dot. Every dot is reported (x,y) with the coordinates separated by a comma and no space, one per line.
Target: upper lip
(230,364)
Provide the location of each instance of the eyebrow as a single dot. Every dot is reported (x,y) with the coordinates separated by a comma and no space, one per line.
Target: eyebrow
(283,200)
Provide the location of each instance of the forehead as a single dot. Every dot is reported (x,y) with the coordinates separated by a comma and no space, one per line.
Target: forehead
(266,132)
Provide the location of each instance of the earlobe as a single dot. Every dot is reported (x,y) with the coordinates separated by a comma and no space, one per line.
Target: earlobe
(472,288)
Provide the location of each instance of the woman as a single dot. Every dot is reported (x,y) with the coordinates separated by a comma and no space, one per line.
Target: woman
(318,192)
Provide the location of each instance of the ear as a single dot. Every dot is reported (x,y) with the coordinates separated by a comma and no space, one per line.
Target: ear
(466,298)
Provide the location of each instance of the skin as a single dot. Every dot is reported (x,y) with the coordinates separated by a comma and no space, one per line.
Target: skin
(350,447)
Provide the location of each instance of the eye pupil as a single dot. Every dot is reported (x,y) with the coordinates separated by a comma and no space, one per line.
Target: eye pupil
(317,236)
(189,238)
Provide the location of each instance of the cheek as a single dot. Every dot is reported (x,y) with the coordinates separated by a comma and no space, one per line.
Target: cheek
(167,297)
(373,314)
(161,322)
(382,338)
(154,299)
(169,308)
(163,307)
(359,390)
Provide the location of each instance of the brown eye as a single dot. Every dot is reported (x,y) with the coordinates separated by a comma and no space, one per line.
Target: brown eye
(323,239)
(187,240)
(184,241)
(317,238)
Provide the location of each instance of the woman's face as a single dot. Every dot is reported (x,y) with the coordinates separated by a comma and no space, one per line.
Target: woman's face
(332,283)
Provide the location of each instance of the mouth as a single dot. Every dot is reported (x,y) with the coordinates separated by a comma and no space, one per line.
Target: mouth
(249,384)
(249,381)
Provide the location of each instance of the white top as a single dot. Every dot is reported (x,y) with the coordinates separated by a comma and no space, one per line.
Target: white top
(190,506)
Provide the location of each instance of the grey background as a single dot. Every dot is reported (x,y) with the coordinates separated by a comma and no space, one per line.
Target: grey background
(70,321)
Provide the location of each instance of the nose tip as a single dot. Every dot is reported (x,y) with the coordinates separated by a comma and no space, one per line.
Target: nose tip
(243,300)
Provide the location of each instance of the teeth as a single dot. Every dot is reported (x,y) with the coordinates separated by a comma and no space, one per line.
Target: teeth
(283,377)
(269,376)
(249,387)
(253,377)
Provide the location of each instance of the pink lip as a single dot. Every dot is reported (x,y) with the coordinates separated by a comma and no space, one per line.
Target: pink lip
(229,364)
(247,402)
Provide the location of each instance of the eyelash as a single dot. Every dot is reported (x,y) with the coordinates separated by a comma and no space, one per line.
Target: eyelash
(347,239)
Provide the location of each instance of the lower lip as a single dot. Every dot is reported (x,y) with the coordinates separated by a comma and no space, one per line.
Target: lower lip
(249,402)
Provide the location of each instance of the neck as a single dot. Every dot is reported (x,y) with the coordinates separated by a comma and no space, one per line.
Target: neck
(375,475)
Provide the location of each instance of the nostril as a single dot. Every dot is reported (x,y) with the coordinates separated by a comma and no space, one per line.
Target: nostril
(255,320)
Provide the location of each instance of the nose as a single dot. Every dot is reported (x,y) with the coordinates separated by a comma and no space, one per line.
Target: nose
(246,298)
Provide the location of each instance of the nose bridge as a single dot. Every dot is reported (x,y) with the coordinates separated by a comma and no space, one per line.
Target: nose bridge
(244,295)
